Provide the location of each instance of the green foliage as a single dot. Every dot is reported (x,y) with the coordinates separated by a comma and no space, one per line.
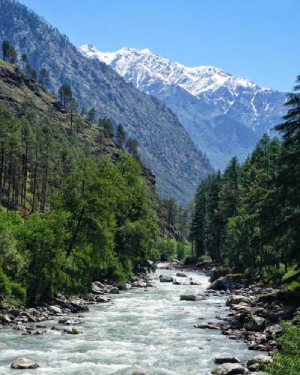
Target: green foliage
(65,94)
(171,249)
(4,285)
(248,217)
(42,241)
(92,115)
(121,135)
(287,361)
(44,77)
(9,52)
(84,217)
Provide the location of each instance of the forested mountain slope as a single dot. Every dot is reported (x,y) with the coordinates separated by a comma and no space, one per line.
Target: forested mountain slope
(165,145)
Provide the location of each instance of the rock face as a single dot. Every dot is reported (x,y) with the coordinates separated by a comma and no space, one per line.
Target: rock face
(24,364)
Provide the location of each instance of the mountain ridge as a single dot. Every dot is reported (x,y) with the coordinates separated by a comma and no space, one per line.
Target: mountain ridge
(216,108)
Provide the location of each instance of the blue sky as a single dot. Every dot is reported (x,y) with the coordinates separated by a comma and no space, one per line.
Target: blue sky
(255,39)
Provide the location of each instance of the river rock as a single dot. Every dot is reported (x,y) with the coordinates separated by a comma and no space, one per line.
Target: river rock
(150,284)
(166,279)
(181,274)
(192,282)
(55,309)
(259,359)
(206,326)
(139,284)
(221,360)
(5,319)
(255,367)
(97,288)
(222,283)
(125,287)
(76,331)
(273,332)
(229,369)
(236,300)
(69,322)
(188,297)
(102,299)
(24,364)
(254,323)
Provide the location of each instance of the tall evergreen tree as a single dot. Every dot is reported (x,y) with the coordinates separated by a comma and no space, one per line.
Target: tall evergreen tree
(121,135)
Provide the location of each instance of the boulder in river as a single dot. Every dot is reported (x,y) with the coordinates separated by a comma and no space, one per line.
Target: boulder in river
(24,364)
(97,288)
(188,297)
(139,284)
(221,360)
(229,369)
(206,326)
(102,299)
(76,331)
(166,279)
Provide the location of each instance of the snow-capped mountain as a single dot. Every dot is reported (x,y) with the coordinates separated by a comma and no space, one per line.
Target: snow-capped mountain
(224,115)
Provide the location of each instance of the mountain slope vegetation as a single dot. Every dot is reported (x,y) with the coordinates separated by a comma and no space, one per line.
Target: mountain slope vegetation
(74,205)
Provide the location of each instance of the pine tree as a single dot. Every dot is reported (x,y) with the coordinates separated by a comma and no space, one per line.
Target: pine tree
(288,181)
(197,230)
(92,115)
(44,77)
(65,94)
(121,135)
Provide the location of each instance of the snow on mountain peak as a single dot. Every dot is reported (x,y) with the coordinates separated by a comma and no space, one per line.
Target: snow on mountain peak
(142,67)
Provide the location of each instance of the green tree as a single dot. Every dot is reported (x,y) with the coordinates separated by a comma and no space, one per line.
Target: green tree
(43,240)
(65,94)
(92,115)
(9,52)
(44,77)
(121,135)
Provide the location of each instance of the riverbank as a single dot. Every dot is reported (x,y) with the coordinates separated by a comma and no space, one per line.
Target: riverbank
(256,316)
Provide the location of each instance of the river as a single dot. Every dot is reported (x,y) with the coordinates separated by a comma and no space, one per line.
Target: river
(150,331)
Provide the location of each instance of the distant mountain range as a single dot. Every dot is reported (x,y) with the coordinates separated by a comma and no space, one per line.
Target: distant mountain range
(165,145)
(223,114)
